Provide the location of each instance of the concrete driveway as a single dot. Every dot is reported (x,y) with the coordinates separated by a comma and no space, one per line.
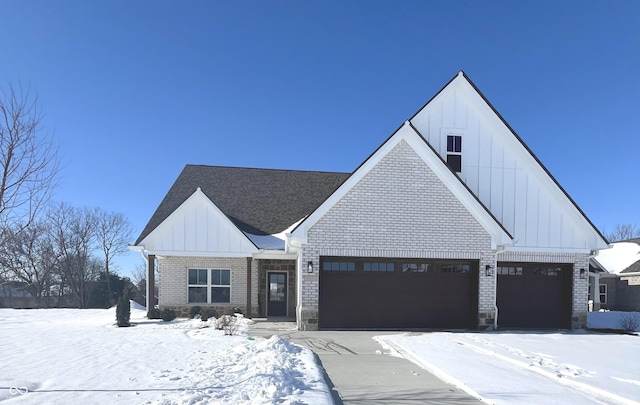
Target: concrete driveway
(358,372)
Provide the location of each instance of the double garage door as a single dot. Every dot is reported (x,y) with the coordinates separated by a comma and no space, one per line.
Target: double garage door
(412,294)
(397,293)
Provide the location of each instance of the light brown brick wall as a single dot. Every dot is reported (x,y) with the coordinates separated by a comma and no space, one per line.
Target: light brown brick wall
(172,281)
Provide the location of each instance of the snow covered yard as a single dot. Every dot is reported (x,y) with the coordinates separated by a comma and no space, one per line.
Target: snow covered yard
(529,367)
(62,356)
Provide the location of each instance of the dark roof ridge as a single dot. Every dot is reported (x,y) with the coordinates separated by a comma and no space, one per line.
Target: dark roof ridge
(265,168)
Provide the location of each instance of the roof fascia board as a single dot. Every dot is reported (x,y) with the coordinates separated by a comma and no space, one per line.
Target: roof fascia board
(199,194)
(168,253)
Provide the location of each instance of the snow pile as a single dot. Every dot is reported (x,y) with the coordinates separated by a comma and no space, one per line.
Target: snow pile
(620,256)
(257,372)
(61,356)
(529,368)
(614,320)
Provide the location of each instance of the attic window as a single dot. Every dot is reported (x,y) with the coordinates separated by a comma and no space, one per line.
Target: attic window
(454,152)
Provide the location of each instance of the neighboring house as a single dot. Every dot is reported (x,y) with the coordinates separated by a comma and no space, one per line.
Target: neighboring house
(451,223)
(616,273)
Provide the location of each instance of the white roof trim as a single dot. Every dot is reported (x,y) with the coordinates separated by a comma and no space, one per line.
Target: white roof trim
(408,134)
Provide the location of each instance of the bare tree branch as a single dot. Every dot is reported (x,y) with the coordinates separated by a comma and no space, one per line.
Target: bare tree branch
(29,161)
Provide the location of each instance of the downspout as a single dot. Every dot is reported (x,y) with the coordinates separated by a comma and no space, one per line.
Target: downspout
(499,249)
(290,247)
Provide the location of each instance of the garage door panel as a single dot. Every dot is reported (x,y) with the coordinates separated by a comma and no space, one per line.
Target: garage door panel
(396,299)
(534,295)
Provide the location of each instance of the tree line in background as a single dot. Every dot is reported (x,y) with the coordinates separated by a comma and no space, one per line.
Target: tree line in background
(51,254)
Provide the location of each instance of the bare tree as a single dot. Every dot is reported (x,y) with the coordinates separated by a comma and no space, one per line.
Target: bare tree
(28,160)
(73,230)
(623,232)
(113,231)
(28,257)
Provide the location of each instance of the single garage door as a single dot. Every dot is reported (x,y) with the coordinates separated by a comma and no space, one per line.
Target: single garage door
(534,295)
(397,293)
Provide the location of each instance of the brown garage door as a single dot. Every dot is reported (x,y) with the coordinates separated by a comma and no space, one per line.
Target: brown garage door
(397,293)
(534,295)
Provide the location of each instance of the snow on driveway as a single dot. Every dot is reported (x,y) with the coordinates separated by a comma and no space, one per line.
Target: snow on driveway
(62,356)
(529,368)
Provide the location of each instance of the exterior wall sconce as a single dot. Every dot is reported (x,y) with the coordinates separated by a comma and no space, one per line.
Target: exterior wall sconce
(583,273)
(309,267)
(488,270)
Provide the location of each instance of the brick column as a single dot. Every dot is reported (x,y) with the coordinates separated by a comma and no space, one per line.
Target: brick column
(249,290)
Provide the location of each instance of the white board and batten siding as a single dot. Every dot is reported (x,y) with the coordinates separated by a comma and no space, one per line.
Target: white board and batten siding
(198,228)
(499,169)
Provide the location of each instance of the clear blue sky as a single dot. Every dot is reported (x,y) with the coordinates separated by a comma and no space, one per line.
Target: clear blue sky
(134,90)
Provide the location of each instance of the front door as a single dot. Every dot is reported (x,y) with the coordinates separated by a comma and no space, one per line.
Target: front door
(277,295)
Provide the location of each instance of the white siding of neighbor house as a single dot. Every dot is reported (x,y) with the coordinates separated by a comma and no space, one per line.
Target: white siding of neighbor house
(198,228)
(503,174)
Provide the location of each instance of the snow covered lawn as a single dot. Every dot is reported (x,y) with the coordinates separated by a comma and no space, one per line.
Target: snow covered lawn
(63,356)
(527,367)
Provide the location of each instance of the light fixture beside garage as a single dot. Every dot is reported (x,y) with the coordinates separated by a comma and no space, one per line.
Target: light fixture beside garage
(488,270)
(583,273)
(309,267)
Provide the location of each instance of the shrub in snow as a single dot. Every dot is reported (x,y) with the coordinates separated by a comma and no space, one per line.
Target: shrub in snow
(629,321)
(168,314)
(208,313)
(229,324)
(154,313)
(196,310)
(123,309)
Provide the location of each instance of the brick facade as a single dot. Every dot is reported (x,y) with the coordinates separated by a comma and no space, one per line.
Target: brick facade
(172,283)
(400,208)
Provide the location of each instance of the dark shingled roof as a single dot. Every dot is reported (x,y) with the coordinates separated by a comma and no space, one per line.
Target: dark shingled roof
(258,201)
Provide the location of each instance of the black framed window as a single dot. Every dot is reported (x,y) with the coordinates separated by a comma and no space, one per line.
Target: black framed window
(385,267)
(339,266)
(454,152)
(509,271)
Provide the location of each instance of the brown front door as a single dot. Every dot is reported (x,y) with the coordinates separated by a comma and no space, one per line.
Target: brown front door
(277,294)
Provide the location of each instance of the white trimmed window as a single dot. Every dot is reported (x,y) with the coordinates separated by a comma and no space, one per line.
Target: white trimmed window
(209,286)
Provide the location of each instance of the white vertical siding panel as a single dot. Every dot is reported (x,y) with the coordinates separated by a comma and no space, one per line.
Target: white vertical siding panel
(212,237)
(508,200)
(470,177)
(460,118)
(543,220)
(555,226)
(223,238)
(448,111)
(201,225)
(520,207)
(179,240)
(531,236)
(496,192)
